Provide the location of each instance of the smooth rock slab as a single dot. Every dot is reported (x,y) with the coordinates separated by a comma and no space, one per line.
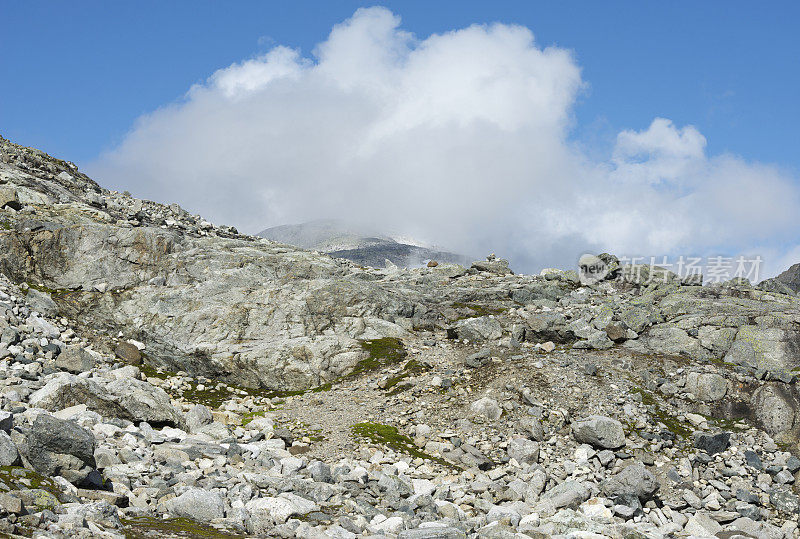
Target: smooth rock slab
(706,386)
(198,504)
(599,431)
(8,451)
(432,533)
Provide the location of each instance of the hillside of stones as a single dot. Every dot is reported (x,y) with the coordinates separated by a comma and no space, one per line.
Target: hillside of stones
(164,376)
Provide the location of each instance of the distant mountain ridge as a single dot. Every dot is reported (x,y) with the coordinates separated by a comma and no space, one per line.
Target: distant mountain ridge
(359,245)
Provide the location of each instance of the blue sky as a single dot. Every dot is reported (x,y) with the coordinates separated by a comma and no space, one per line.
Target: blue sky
(642,128)
(79,73)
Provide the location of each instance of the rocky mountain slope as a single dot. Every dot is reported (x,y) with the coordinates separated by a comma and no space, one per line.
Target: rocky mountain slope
(358,245)
(162,376)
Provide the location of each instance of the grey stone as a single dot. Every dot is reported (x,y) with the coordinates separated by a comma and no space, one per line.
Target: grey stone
(128,353)
(198,504)
(126,398)
(8,450)
(785,502)
(712,443)
(599,431)
(41,302)
(478,359)
(706,386)
(774,409)
(10,504)
(791,278)
(197,417)
(532,428)
(771,348)
(9,198)
(6,421)
(493,265)
(75,359)
(633,479)
(523,450)
(482,328)
(59,447)
(432,533)
(567,494)
(487,408)
(753,460)
(320,472)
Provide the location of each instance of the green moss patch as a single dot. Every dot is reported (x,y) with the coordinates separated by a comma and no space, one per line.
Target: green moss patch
(382,352)
(18,478)
(5,225)
(145,527)
(672,424)
(152,372)
(412,367)
(208,396)
(54,292)
(389,436)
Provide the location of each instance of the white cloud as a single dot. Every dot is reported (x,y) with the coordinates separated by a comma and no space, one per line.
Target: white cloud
(460,139)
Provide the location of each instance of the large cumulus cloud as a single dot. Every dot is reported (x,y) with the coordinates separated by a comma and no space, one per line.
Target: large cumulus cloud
(461,139)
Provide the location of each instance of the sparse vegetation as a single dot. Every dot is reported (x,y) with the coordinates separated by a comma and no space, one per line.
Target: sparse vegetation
(411,368)
(672,424)
(390,437)
(382,352)
(145,527)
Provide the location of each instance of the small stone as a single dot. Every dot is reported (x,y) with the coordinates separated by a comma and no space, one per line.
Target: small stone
(712,443)
(599,431)
(487,408)
(128,353)
(523,450)
(8,451)
(6,421)
(478,359)
(753,460)
(10,504)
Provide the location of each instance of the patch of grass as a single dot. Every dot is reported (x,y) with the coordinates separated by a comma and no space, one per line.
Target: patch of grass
(399,389)
(382,352)
(5,225)
(150,371)
(721,362)
(671,422)
(732,425)
(55,292)
(411,367)
(389,436)
(249,416)
(145,527)
(18,478)
(208,396)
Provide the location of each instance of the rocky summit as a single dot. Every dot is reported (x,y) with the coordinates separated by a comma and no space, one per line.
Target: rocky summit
(162,376)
